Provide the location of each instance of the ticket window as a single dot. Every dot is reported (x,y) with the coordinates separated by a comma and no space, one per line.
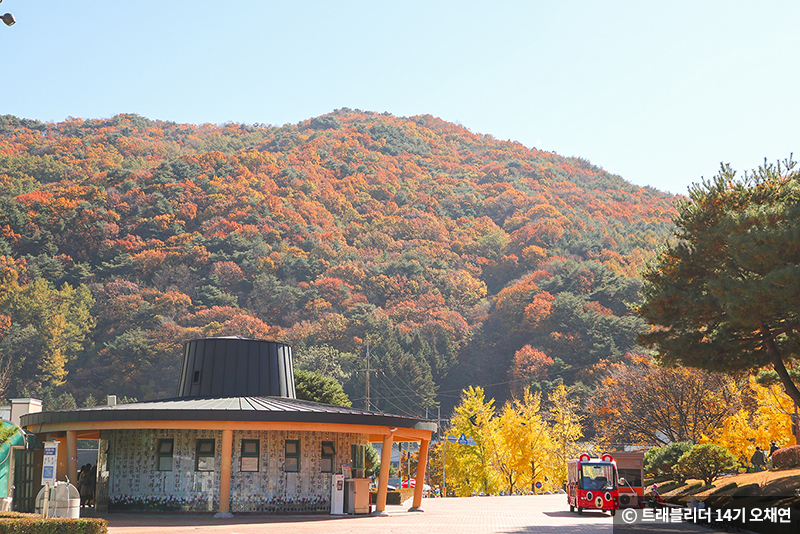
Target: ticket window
(357,456)
(204,455)
(165,451)
(291,456)
(328,455)
(250,455)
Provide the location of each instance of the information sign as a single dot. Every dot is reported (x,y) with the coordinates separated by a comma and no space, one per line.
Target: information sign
(49,462)
(464,440)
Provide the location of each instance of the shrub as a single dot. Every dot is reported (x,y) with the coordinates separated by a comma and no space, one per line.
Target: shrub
(664,488)
(392,497)
(727,487)
(787,457)
(36,524)
(746,491)
(706,462)
(662,460)
(690,490)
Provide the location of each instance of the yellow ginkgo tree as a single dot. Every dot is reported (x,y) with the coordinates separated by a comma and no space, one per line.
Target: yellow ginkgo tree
(470,469)
(766,419)
(514,449)
(567,429)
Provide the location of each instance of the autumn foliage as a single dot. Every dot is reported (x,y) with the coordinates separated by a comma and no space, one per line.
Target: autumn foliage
(511,449)
(450,250)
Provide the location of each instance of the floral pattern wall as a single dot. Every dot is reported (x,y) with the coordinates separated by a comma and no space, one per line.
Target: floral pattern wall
(129,479)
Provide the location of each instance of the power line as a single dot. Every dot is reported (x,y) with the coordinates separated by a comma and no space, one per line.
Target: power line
(547,375)
(399,398)
(367,371)
(402,411)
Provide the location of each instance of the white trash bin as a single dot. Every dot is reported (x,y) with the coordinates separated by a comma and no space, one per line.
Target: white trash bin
(65,501)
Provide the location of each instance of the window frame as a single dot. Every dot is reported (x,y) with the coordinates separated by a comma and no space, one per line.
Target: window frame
(244,454)
(358,455)
(294,455)
(329,457)
(198,454)
(162,455)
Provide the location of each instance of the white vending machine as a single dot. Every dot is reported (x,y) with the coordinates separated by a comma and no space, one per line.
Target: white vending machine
(337,495)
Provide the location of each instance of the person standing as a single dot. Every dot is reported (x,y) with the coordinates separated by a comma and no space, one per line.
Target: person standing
(86,485)
(758,460)
(772,448)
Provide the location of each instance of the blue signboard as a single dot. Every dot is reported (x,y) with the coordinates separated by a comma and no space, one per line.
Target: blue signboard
(49,462)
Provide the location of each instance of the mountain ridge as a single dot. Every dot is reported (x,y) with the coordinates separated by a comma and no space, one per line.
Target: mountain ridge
(435,241)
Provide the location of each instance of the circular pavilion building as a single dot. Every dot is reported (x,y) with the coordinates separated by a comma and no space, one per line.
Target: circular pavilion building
(234,439)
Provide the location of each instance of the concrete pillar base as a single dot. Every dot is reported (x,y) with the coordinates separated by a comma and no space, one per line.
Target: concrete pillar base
(416,509)
(223,515)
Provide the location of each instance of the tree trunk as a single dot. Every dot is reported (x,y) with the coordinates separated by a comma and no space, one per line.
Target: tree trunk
(777,363)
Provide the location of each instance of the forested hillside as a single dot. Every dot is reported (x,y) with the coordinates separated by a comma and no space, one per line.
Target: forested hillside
(463,259)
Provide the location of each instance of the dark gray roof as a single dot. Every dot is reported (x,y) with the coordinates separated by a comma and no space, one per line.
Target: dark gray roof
(252,409)
(234,367)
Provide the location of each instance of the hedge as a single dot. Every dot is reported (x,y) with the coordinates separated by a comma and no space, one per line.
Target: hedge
(787,457)
(392,497)
(17,523)
(727,487)
(748,490)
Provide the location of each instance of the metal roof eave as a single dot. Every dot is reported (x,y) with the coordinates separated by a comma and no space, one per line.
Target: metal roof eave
(231,409)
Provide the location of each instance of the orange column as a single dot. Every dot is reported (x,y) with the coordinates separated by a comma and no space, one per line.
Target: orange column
(72,457)
(62,460)
(225,474)
(383,479)
(419,481)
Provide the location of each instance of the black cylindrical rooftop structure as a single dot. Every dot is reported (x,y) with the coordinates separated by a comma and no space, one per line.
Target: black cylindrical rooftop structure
(236,367)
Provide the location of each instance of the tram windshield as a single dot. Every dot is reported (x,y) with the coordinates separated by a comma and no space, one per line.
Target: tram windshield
(598,476)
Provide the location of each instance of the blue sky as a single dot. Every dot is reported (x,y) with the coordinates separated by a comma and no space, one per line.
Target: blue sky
(657,92)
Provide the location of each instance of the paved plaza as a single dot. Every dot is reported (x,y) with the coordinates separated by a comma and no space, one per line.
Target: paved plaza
(543,514)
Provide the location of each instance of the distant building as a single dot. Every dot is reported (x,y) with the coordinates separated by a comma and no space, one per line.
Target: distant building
(234,439)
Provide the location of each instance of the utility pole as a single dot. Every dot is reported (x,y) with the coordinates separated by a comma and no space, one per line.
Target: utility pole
(444,468)
(368,370)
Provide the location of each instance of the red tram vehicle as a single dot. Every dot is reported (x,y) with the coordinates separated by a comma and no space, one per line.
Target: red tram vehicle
(592,484)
